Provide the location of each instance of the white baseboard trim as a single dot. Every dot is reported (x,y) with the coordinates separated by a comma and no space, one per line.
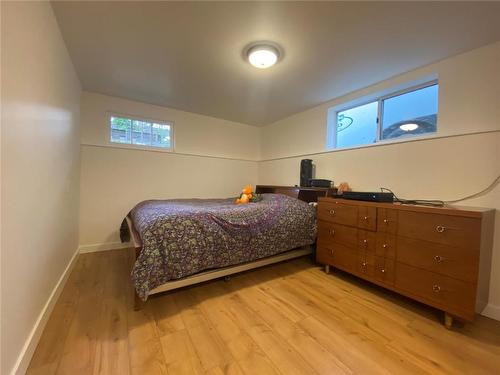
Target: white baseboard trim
(24,358)
(492,311)
(103,247)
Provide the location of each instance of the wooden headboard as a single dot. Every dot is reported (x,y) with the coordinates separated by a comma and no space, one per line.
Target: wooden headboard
(306,194)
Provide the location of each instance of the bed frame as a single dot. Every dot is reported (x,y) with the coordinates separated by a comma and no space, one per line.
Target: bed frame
(220,272)
(310,196)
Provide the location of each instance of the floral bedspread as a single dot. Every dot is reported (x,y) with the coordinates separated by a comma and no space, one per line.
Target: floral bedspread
(183,237)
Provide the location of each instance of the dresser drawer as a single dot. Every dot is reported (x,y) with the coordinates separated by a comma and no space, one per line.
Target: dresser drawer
(329,233)
(387,220)
(445,229)
(367,241)
(338,255)
(386,245)
(458,262)
(384,270)
(365,264)
(446,291)
(338,213)
(367,217)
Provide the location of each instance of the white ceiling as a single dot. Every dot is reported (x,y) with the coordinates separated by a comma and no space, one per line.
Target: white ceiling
(189,55)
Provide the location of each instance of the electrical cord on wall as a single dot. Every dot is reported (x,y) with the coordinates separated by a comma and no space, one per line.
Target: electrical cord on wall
(440,203)
(478,194)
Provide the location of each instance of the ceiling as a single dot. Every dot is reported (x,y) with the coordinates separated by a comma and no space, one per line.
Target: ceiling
(189,55)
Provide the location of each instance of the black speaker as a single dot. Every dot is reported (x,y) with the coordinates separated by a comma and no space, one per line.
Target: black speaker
(306,172)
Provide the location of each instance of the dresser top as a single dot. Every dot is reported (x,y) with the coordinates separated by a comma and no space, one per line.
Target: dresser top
(445,210)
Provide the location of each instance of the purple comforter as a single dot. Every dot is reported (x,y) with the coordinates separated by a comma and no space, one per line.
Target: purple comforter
(183,237)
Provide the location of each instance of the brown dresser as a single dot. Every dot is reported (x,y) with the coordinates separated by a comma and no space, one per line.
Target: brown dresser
(438,256)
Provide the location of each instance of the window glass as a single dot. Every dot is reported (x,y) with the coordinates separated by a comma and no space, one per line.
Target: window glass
(140,132)
(411,113)
(120,129)
(357,126)
(404,113)
(161,135)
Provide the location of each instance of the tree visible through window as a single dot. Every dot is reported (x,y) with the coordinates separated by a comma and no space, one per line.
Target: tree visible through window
(140,132)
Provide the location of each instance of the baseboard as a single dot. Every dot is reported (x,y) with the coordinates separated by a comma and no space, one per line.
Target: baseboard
(103,247)
(29,347)
(492,311)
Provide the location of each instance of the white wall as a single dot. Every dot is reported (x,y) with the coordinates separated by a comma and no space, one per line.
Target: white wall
(194,134)
(469,91)
(212,158)
(445,168)
(40,169)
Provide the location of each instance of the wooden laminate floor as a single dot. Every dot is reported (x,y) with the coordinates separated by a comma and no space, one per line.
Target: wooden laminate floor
(289,318)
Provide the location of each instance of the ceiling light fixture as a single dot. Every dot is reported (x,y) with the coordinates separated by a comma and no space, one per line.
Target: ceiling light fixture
(263,56)
(408,127)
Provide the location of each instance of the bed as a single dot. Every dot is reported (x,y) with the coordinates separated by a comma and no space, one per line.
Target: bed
(183,242)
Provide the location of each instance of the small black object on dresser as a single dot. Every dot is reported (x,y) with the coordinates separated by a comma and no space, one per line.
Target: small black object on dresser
(319,182)
(306,172)
(368,196)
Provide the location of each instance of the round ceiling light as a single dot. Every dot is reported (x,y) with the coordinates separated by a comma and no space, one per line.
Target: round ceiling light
(263,56)
(408,127)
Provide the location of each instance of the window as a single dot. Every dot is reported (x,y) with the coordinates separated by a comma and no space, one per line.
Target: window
(401,114)
(140,132)
(357,126)
(410,113)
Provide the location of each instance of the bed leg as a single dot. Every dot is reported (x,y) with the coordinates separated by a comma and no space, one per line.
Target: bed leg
(448,320)
(138,302)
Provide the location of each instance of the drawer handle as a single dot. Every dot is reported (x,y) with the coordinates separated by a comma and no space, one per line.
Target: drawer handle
(438,258)
(384,245)
(364,264)
(436,288)
(440,229)
(366,217)
(332,232)
(365,241)
(331,252)
(386,221)
(382,270)
(332,212)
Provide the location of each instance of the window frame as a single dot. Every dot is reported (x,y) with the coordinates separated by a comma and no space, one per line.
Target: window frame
(131,145)
(379,97)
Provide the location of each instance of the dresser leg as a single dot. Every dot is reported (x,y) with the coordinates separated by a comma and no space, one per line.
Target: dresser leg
(327,268)
(448,320)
